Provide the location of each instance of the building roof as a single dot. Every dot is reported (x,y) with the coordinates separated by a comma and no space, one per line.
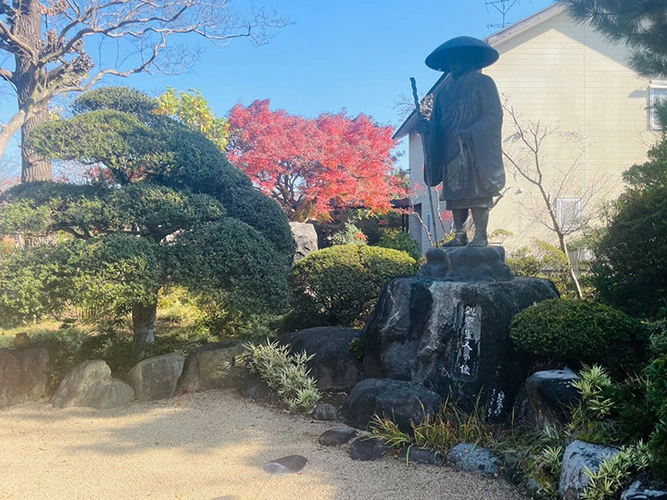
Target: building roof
(493,40)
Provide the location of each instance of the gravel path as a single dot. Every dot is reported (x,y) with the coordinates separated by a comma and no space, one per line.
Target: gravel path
(210,445)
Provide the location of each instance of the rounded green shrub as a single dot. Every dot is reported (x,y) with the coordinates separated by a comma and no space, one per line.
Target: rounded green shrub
(400,240)
(339,285)
(580,332)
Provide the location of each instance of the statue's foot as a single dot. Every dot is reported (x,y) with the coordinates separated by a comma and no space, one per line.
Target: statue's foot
(458,241)
(478,242)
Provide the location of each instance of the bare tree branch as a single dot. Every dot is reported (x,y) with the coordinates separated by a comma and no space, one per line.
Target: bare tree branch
(58,61)
(528,161)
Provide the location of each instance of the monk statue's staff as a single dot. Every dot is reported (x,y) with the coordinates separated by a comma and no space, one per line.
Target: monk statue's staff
(413,82)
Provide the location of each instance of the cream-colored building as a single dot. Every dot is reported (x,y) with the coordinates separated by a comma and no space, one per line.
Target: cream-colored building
(573,89)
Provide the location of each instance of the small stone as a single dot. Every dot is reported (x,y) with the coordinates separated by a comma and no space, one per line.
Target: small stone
(255,388)
(366,449)
(474,458)
(22,340)
(325,411)
(336,437)
(286,465)
(422,456)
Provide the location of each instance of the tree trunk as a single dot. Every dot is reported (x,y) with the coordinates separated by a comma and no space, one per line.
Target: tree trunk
(28,78)
(143,326)
(35,167)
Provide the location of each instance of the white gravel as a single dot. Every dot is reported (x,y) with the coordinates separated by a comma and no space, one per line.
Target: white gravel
(210,445)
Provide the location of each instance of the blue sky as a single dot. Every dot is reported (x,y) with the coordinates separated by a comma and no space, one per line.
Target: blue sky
(356,55)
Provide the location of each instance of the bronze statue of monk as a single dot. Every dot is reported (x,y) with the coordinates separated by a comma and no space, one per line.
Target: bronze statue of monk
(462,138)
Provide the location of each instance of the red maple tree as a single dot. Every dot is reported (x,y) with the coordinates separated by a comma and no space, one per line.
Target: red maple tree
(313,167)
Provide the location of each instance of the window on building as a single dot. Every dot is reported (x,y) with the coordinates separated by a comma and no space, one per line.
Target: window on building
(569,212)
(657,92)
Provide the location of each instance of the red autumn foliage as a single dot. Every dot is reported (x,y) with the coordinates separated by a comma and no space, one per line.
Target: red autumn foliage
(314,166)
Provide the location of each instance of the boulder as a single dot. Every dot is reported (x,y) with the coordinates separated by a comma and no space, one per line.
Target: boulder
(336,437)
(213,366)
(333,365)
(325,411)
(474,458)
(472,264)
(578,457)
(643,489)
(305,237)
(401,401)
(366,449)
(23,374)
(548,397)
(453,337)
(91,384)
(156,378)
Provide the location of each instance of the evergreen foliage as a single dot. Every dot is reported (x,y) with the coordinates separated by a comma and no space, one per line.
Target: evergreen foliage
(630,271)
(339,285)
(576,332)
(641,24)
(400,240)
(165,207)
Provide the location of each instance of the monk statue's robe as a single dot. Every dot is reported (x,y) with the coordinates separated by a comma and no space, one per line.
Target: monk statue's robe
(464,142)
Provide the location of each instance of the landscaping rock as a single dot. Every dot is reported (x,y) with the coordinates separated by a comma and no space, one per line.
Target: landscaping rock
(466,264)
(547,398)
(305,238)
(325,411)
(23,375)
(213,366)
(366,449)
(255,388)
(22,340)
(336,437)
(412,454)
(642,489)
(402,401)
(453,337)
(333,365)
(91,384)
(474,458)
(286,465)
(579,456)
(156,378)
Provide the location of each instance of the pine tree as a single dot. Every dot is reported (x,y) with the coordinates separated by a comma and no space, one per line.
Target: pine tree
(641,24)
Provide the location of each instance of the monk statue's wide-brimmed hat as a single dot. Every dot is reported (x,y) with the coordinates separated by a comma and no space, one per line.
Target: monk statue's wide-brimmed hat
(479,53)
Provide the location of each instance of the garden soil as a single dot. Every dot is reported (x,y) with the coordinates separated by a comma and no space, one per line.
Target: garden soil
(210,445)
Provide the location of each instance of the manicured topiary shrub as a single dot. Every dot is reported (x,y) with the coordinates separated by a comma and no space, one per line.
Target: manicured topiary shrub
(580,332)
(339,285)
(400,240)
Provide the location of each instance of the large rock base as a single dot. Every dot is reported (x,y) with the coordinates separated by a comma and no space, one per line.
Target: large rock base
(453,338)
(333,365)
(23,375)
